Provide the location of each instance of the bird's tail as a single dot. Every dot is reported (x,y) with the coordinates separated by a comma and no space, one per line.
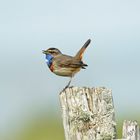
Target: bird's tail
(79,55)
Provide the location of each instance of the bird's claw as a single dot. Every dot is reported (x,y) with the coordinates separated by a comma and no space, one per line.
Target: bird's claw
(65,88)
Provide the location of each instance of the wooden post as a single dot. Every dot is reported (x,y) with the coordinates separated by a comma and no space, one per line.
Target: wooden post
(88,113)
(131,130)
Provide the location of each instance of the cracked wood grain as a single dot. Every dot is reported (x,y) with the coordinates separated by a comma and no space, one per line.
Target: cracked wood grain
(131,130)
(88,113)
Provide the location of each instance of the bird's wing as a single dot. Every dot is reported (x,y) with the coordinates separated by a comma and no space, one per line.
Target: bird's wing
(68,61)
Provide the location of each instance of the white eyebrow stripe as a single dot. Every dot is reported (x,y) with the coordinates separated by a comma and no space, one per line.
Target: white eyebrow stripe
(51,51)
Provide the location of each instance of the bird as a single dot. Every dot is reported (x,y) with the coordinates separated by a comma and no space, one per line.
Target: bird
(65,65)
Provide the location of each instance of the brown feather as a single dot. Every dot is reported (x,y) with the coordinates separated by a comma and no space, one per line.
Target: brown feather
(79,55)
(68,61)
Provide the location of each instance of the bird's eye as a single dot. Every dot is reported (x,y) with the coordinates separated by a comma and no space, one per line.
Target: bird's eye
(51,52)
(54,52)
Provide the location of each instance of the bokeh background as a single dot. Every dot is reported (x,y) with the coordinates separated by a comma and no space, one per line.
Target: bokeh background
(29,92)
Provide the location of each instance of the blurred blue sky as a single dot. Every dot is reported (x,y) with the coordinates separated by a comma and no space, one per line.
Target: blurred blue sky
(27,27)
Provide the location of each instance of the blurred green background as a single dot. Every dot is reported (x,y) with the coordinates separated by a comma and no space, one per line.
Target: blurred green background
(46,128)
(29,103)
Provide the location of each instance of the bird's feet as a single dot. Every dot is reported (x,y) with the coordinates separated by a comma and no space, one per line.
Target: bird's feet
(66,88)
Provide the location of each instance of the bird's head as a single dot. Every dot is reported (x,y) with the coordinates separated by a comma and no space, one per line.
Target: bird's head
(50,54)
(52,51)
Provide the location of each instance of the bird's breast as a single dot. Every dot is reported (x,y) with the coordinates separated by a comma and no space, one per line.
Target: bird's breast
(51,67)
(49,59)
(62,71)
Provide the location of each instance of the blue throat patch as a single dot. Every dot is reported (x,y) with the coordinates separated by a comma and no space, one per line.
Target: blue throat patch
(49,59)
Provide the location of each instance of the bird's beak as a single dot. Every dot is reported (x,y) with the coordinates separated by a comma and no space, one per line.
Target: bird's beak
(44,51)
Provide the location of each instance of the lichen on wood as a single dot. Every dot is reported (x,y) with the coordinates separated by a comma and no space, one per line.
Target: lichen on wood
(131,130)
(88,113)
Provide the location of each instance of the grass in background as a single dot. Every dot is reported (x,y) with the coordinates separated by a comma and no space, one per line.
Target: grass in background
(44,129)
(39,128)
(51,128)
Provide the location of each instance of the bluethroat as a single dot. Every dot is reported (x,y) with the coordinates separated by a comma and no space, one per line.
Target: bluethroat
(65,65)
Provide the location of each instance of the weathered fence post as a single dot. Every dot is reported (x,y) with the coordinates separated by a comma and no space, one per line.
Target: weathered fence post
(131,130)
(88,113)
